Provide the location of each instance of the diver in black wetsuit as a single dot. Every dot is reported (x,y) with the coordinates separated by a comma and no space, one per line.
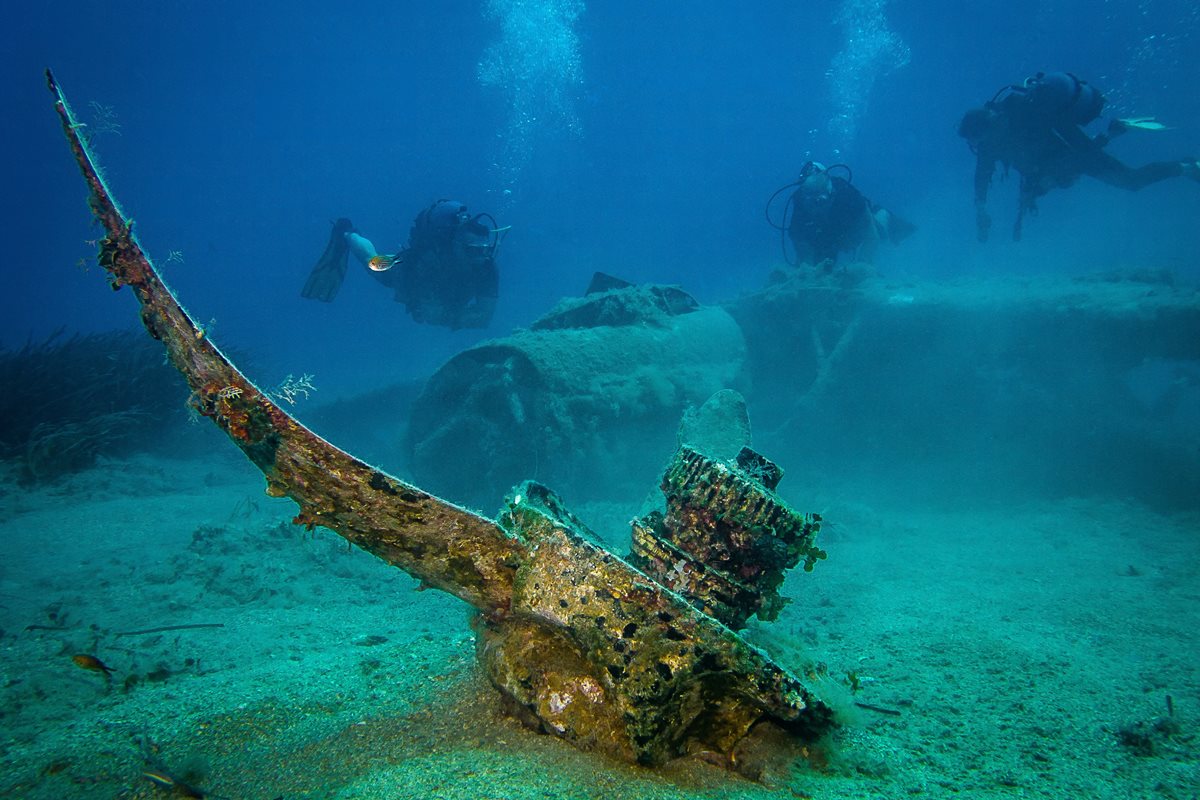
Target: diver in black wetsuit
(1036,129)
(446,275)
(826,215)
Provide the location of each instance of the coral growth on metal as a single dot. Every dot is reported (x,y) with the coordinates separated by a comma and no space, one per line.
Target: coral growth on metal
(600,654)
(580,642)
(726,538)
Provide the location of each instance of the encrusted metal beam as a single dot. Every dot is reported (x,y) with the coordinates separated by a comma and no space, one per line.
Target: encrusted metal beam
(437,542)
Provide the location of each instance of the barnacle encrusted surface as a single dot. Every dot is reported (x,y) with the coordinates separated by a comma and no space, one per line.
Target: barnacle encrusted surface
(596,652)
(726,538)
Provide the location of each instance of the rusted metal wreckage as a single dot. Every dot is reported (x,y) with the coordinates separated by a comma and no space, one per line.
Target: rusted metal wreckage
(637,658)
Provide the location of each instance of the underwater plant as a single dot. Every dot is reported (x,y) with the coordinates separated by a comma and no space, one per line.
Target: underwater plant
(70,400)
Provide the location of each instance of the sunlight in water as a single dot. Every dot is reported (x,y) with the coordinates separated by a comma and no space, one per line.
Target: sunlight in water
(535,62)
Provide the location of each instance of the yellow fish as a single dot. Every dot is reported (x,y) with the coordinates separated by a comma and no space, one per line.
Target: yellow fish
(84,661)
(382,263)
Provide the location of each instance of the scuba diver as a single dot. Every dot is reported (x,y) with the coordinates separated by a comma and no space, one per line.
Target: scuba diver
(827,215)
(1036,128)
(446,275)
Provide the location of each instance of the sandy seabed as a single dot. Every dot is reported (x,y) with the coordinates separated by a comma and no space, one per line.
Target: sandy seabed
(1039,649)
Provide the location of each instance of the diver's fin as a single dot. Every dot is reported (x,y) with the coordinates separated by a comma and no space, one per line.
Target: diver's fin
(895,229)
(603,282)
(330,270)
(899,229)
(1144,124)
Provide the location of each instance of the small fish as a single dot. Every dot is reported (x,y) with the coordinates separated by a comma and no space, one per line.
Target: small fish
(84,661)
(382,263)
(176,787)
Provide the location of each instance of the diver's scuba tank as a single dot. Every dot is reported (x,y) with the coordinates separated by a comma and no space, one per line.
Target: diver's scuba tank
(481,236)
(1064,93)
(1058,96)
(448,222)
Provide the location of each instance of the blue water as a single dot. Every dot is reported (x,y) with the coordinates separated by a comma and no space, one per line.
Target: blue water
(643,140)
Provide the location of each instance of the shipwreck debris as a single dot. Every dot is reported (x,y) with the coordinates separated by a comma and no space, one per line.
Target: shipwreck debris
(726,538)
(588,396)
(581,643)
(599,654)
